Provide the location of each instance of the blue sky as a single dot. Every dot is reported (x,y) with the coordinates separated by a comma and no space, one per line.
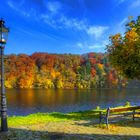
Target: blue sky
(64,26)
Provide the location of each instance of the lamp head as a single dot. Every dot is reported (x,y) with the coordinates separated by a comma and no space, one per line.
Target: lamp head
(3,32)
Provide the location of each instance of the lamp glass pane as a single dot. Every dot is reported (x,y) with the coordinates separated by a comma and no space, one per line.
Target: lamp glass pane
(3,35)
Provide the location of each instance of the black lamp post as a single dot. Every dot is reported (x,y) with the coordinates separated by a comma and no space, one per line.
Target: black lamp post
(3,38)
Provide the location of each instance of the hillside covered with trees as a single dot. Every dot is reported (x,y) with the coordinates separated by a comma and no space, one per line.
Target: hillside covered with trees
(43,70)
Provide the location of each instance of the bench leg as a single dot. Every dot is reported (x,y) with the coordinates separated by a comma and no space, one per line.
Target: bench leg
(100,117)
(107,115)
(107,125)
(134,115)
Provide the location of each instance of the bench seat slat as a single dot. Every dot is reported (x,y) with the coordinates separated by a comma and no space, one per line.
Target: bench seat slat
(124,109)
(118,112)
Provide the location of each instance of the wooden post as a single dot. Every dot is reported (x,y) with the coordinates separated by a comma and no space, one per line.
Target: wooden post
(107,115)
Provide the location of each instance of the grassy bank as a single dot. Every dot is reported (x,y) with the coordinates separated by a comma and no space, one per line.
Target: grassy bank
(54,117)
(51,117)
(76,126)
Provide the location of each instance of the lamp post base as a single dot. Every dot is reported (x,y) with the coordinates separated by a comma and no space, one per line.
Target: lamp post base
(4,126)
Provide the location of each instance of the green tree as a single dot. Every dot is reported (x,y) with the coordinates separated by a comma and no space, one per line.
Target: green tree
(124,51)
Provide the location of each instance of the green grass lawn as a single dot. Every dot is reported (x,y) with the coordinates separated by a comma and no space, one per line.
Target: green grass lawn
(81,125)
(51,117)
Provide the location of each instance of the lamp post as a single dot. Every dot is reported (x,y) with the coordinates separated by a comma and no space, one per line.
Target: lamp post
(3,38)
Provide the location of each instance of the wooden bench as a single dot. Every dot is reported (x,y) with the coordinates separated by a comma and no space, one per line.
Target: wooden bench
(118,112)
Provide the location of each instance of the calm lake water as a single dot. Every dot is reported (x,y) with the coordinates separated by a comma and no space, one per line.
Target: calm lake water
(26,101)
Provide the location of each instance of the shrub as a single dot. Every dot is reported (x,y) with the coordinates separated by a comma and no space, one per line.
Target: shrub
(98,108)
(127,104)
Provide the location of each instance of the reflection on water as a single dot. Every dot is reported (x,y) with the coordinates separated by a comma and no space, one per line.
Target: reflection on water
(26,101)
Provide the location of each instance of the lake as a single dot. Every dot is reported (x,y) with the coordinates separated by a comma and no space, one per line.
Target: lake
(26,101)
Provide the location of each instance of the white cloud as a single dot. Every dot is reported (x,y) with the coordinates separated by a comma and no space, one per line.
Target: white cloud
(73,23)
(54,17)
(12,5)
(104,42)
(94,46)
(53,6)
(119,2)
(79,44)
(123,21)
(120,26)
(64,22)
(18,7)
(136,3)
(48,20)
(101,45)
(97,31)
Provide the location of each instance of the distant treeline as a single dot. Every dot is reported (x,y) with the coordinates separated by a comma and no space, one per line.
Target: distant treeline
(43,70)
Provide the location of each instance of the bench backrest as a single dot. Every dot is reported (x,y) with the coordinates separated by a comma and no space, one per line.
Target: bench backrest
(124,109)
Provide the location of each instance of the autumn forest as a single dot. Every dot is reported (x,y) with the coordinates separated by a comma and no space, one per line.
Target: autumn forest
(66,71)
